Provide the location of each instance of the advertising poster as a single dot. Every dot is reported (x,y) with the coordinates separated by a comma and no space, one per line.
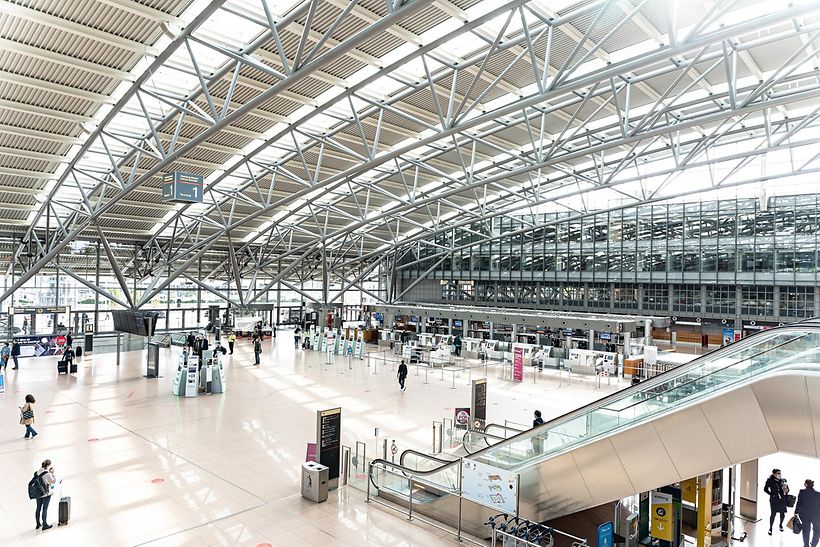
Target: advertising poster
(518,364)
(661,525)
(490,486)
(728,335)
(310,454)
(462,417)
(689,490)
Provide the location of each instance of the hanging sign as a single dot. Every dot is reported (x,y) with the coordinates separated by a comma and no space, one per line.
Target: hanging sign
(181,187)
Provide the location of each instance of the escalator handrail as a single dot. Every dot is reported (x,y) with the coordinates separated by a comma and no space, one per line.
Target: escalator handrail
(506,427)
(647,384)
(406,471)
(423,455)
(484,435)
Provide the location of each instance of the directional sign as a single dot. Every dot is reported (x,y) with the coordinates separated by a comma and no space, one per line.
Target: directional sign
(606,534)
(182,187)
(661,520)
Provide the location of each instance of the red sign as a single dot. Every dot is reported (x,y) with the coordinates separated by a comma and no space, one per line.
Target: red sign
(310,455)
(518,364)
(60,340)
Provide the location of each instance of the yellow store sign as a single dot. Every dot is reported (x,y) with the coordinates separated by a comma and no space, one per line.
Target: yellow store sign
(661,519)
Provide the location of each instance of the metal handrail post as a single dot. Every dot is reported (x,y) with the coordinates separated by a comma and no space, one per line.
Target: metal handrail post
(460,498)
(369,472)
(410,514)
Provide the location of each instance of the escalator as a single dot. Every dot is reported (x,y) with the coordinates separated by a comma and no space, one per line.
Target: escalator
(758,396)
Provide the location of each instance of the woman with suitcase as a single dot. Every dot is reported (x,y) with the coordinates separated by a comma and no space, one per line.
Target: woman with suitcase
(46,476)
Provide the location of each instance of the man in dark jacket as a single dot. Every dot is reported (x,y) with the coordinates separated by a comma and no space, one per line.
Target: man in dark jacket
(402,374)
(776,489)
(15,353)
(257,350)
(808,509)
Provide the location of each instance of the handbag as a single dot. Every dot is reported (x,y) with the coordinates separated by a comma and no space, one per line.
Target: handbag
(790,500)
(795,524)
(26,414)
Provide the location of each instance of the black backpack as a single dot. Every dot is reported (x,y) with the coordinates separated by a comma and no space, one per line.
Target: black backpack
(37,487)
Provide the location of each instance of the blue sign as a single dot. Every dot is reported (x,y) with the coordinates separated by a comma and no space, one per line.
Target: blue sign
(606,534)
(605,336)
(182,187)
(2,383)
(728,335)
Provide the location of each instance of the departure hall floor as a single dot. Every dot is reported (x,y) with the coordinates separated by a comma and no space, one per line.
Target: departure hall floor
(145,467)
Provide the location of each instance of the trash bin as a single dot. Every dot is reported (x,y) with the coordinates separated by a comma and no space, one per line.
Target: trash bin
(314,481)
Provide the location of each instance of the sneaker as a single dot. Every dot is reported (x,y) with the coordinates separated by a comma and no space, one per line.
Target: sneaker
(770,532)
(781,528)
(34,435)
(47,526)
(38,526)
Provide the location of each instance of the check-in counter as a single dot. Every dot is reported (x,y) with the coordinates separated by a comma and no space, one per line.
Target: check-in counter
(426,339)
(529,352)
(471,348)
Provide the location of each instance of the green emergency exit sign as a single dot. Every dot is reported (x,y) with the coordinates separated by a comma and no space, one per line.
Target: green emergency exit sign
(178,187)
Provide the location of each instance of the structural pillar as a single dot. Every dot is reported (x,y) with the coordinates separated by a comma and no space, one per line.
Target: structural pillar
(591,340)
(647,332)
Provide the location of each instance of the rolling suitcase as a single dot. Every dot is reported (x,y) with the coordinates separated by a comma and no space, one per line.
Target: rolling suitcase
(62,367)
(64,512)
(73,368)
(79,351)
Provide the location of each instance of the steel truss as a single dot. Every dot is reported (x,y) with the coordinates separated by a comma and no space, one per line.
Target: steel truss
(590,128)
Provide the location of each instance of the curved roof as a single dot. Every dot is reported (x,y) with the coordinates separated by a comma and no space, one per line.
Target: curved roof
(362,128)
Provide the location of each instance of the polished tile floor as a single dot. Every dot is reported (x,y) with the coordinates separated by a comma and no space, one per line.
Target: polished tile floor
(145,467)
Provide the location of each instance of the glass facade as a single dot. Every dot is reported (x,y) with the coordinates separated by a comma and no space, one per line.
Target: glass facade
(722,258)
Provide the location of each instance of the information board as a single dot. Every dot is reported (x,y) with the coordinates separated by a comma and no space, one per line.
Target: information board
(661,515)
(329,440)
(478,406)
(518,364)
(182,187)
(37,309)
(490,486)
(606,534)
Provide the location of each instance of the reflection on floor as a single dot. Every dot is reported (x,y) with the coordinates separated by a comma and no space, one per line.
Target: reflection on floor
(142,466)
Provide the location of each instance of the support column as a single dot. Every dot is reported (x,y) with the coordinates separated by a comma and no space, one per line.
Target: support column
(591,340)
(513,338)
(647,331)
(627,343)
(492,330)
(96,294)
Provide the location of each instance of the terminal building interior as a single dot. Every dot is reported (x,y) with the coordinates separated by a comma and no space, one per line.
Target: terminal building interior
(507,273)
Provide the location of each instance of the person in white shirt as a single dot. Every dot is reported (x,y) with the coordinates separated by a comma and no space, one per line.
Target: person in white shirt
(46,472)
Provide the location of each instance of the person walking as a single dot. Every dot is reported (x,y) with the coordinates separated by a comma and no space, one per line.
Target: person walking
(69,340)
(27,416)
(46,475)
(297,335)
(402,374)
(25,326)
(808,509)
(457,345)
(68,356)
(776,489)
(537,440)
(15,353)
(5,353)
(257,349)
(231,341)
